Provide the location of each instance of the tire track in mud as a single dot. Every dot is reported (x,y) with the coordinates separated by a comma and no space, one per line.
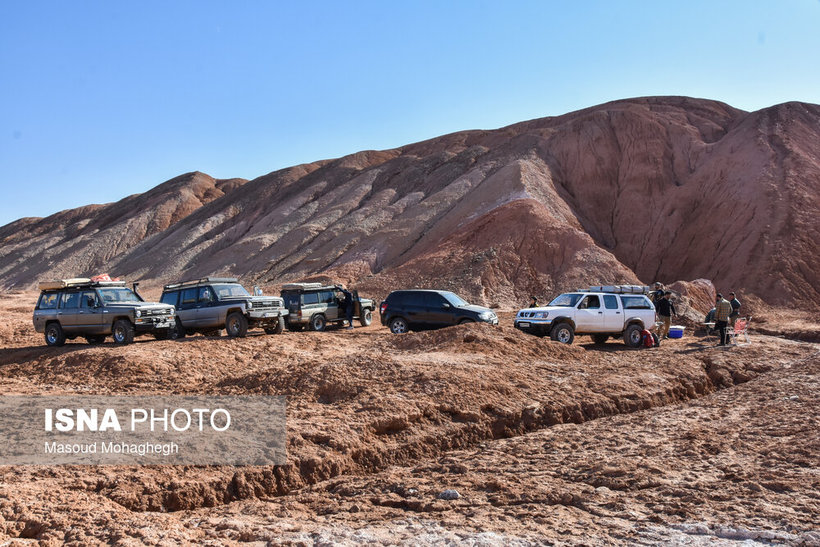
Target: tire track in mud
(427,430)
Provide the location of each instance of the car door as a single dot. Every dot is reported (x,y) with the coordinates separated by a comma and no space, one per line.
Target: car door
(187,307)
(209,309)
(332,309)
(90,315)
(415,309)
(69,311)
(613,314)
(589,315)
(438,312)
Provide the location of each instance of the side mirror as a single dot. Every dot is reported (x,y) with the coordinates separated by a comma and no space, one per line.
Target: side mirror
(446,306)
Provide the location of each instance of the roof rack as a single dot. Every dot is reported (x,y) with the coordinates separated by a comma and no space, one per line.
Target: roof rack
(618,289)
(77,282)
(302,286)
(200,281)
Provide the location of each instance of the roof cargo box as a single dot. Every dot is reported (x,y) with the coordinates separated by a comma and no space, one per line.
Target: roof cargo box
(301,286)
(620,289)
(62,283)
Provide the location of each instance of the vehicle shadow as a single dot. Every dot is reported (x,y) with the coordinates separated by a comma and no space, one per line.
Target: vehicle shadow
(10,356)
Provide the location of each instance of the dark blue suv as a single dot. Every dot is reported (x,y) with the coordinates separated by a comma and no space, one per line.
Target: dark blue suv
(421,309)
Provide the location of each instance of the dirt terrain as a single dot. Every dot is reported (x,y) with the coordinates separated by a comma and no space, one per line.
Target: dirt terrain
(655,188)
(544,443)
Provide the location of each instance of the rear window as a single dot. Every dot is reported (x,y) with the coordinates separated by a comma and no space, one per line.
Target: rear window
(170,298)
(636,303)
(48,301)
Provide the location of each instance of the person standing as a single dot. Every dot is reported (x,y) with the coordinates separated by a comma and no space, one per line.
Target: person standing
(735,309)
(666,309)
(657,294)
(348,306)
(723,309)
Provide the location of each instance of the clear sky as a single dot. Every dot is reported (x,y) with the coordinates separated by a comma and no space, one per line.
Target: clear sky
(99,100)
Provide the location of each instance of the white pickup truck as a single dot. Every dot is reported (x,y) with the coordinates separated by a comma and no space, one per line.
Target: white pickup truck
(608,311)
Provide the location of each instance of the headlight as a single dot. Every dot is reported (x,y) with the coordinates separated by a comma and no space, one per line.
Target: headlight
(485,315)
(138,313)
(541,314)
(250,305)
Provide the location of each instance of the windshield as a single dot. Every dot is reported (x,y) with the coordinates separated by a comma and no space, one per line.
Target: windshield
(228,291)
(566,300)
(120,294)
(454,299)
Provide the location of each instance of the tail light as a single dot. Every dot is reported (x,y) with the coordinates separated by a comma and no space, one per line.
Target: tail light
(383,308)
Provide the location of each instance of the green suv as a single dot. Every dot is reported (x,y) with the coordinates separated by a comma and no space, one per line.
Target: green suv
(69,308)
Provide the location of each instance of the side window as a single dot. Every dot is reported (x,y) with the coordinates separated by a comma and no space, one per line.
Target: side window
(327,297)
(310,298)
(591,302)
(636,303)
(88,300)
(396,299)
(48,301)
(205,295)
(188,299)
(70,300)
(170,298)
(433,300)
(610,302)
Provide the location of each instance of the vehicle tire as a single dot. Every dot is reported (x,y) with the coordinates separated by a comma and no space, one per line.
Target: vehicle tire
(632,336)
(178,331)
(236,325)
(465,321)
(95,339)
(398,325)
(600,338)
(278,329)
(318,322)
(122,331)
(54,334)
(563,332)
(366,318)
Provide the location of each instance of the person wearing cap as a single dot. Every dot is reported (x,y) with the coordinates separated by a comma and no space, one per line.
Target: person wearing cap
(657,294)
(666,309)
(723,309)
(735,309)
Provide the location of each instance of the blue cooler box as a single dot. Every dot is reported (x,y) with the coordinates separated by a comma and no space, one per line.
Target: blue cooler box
(676,331)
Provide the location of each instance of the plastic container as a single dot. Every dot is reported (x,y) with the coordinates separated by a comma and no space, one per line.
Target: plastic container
(676,331)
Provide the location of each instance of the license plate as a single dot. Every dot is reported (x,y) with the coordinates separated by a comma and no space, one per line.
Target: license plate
(269,314)
(524,325)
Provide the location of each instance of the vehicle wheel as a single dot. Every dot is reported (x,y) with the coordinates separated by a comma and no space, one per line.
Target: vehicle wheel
(318,322)
(95,339)
(178,331)
(279,328)
(123,331)
(600,338)
(563,332)
(54,334)
(236,325)
(398,325)
(632,336)
(366,318)
(465,321)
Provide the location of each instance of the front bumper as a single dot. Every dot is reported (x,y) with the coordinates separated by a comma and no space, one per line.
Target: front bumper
(148,324)
(534,326)
(265,314)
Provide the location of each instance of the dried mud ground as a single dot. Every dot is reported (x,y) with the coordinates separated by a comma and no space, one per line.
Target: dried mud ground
(546,444)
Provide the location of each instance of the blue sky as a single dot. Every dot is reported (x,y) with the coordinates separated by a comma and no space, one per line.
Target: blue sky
(99,100)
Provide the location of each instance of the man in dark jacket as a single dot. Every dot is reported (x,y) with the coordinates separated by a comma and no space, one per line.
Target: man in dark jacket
(735,309)
(657,294)
(665,309)
(347,304)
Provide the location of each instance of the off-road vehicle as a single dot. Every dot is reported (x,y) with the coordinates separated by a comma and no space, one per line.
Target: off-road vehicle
(69,308)
(421,309)
(601,311)
(315,305)
(211,304)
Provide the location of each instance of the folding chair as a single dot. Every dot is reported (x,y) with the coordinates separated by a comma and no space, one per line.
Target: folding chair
(741,329)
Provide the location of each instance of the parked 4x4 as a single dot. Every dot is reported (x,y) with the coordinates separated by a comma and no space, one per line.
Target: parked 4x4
(419,309)
(315,305)
(69,308)
(602,311)
(211,304)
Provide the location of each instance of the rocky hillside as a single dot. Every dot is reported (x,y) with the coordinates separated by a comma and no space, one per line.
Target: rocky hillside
(645,189)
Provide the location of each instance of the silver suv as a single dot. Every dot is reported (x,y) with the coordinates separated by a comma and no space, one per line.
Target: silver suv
(69,308)
(211,304)
(315,305)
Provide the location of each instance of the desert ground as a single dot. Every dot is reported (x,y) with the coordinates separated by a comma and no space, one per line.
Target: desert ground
(686,444)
